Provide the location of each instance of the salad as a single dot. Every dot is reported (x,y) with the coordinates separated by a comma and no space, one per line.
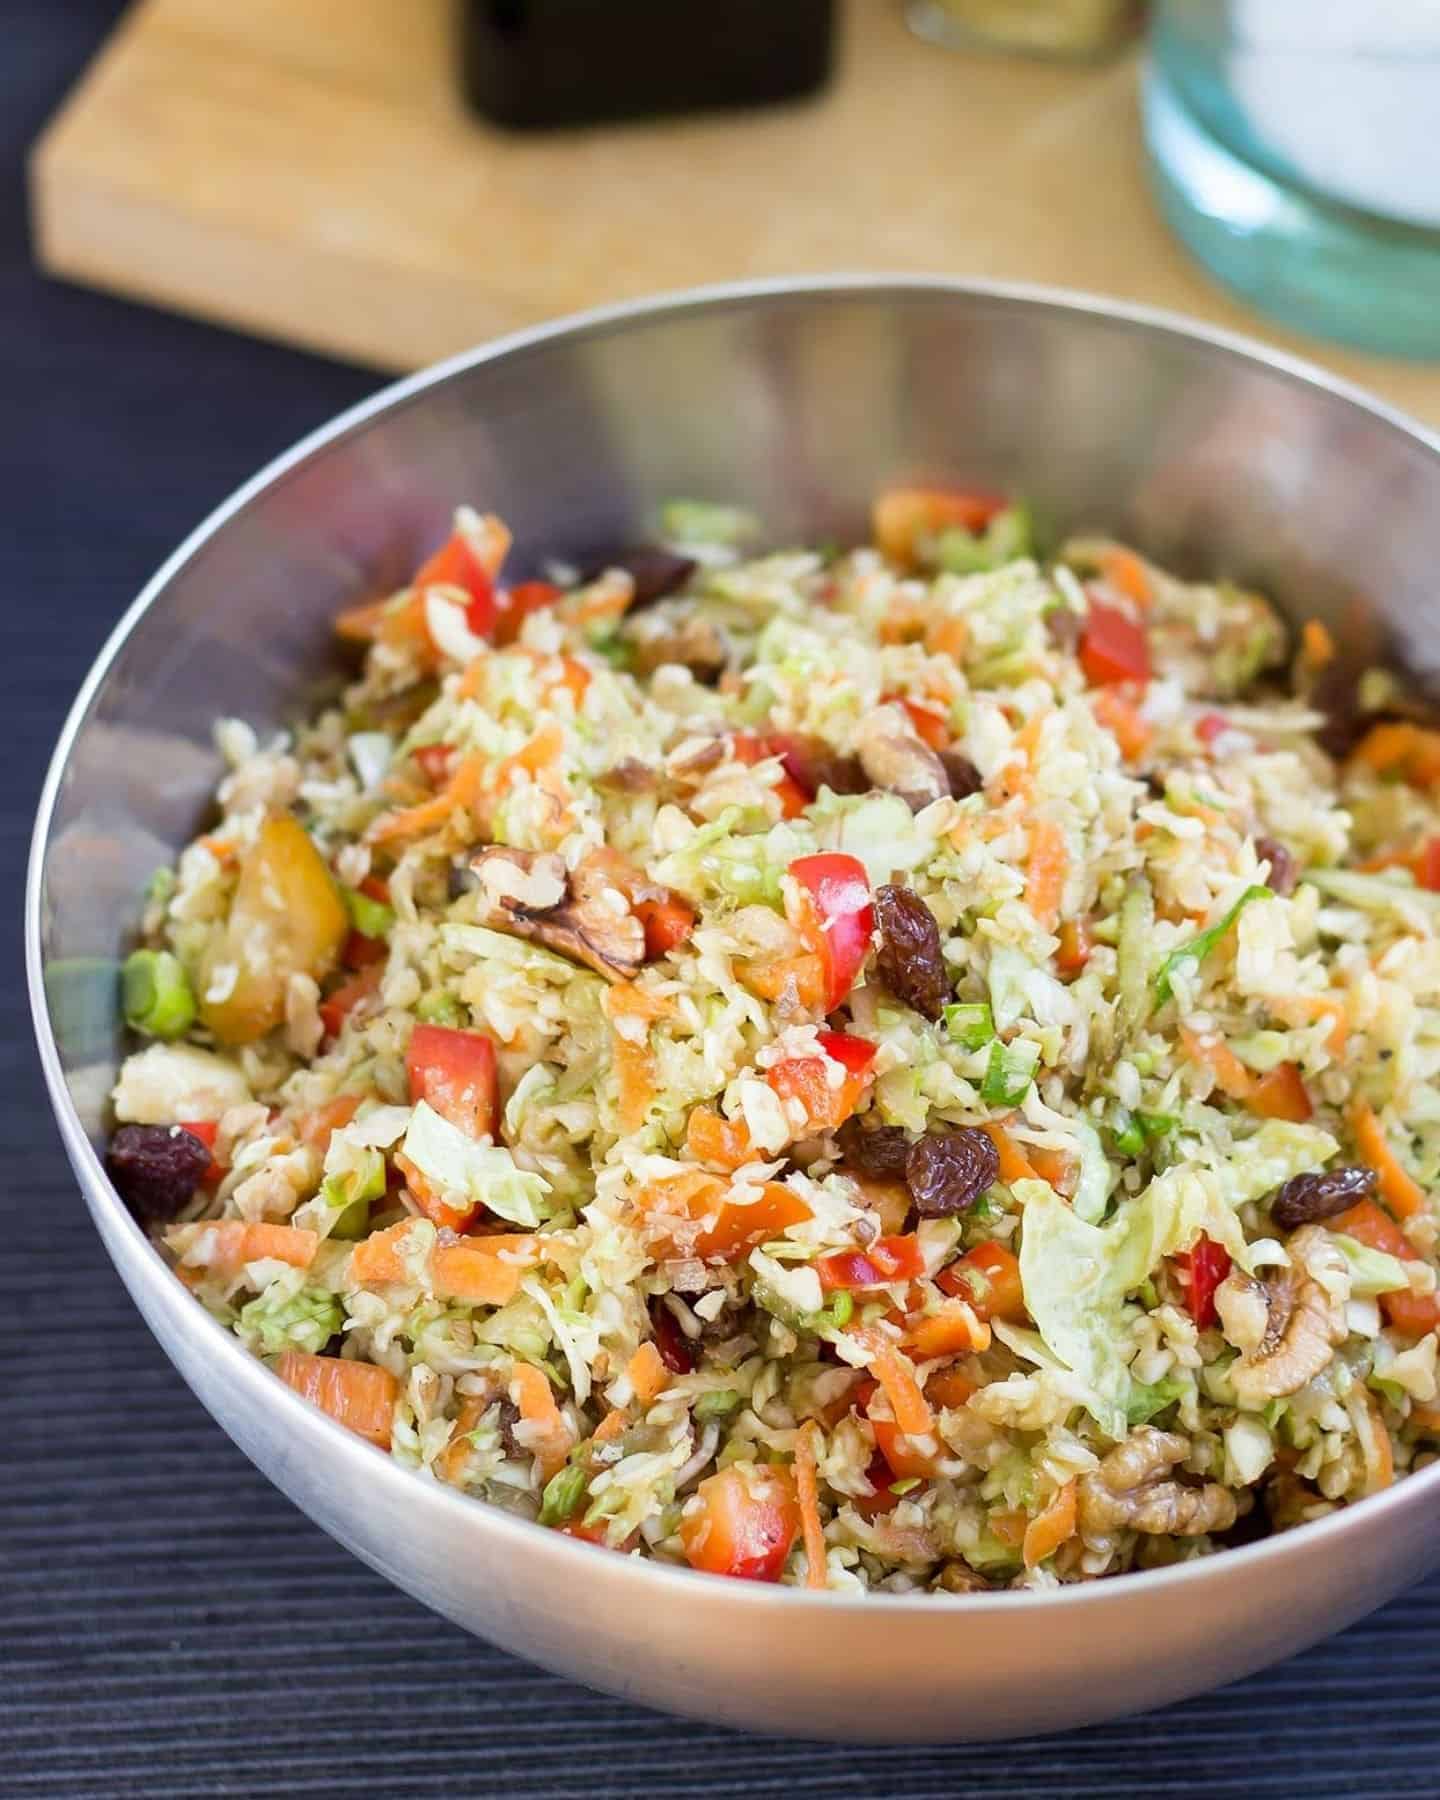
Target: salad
(911,1067)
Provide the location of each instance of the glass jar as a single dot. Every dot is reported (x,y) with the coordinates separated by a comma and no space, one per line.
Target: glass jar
(1078,28)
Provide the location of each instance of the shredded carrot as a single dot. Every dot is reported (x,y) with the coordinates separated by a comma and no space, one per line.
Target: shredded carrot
(361,1396)
(1231,1075)
(948,636)
(549,1437)
(634,1065)
(807,1492)
(647,1372)
(1045,875)
(1281,1095)
(1398,747)
(1383,1474)
(472,679)
(1427,1419)
(611,1426)
(454,1459)
(1009,1527)
(1397,1184)
(230,1243)
(1061,1168)
(1048,1530)
(711,1138)
(461,791)
(379,1258)
(1127,574)
(896,1375)
(951,1330)
(1015,1165)
(1316,644)
(798,980)
(1318,1006)
(475,1271)
(317,1125)
(1123,721)
(927,724)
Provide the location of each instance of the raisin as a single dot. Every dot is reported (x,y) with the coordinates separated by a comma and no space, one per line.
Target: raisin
(156,1169)
(655,572)
(670,1340)
(949,1170)
(878,1154)
(811,763)
(1304,1199)
(1282,865)
(909,959)
(965,778)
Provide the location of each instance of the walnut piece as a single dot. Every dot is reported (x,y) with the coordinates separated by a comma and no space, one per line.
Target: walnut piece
(1306,1320)
(582,915)
(1130,1491)
(694,642)
(893,757)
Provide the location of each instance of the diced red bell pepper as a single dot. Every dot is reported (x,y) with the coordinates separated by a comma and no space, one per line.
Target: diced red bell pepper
(360,952)
(807,1079)
(928,722)
(667,923)
(749,748)
(434,762)
(745,1523)
(830,907)
(1209,726)
(206,1130)
(515,605)
(1204,1268)
(1427,865)
(470,559)
(1113,647)
(454,1071)
(905,1457)
(336,1008)
(886,1260)
(880,1476)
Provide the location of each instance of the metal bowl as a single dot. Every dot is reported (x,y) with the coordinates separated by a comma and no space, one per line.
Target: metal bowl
(799,399)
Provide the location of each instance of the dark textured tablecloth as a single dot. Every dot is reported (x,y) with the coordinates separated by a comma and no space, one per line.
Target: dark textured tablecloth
(169,1624)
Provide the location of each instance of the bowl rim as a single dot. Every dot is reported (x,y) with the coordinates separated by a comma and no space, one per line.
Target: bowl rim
(312,1431)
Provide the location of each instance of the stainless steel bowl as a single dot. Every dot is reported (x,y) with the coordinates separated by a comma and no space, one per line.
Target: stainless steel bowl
(798,398)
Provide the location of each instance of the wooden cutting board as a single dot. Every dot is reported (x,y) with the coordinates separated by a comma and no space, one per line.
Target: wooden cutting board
(306,169)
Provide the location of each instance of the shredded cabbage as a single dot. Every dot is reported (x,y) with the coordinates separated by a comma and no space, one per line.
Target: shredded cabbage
(484,1173)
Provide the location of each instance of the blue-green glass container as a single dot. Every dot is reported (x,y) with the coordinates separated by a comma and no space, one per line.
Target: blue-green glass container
(1295,148)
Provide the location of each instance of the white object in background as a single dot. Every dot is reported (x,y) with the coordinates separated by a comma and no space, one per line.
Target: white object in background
(1347,94)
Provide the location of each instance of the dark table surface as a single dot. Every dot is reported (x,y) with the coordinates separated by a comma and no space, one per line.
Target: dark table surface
(169,1624)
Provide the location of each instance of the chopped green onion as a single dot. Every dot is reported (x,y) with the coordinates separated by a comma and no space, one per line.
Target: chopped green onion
(1156,1125)
(907,1486)
(718,1404)
(961,552)
(562,1496)
(439,1007)
(704,522)
(156,994)
(371,918)
(842,1308)
(971,1025)
(1200,946)
(1009,1073)
(1129,1135)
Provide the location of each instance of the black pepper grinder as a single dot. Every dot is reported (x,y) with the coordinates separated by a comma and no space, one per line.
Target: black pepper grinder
(529,64)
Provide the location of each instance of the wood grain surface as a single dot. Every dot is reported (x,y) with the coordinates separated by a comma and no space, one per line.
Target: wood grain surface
(305,169)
